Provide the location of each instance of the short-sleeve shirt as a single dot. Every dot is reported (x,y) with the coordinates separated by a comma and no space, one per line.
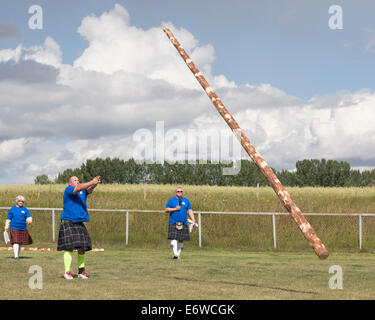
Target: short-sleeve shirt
(17,217)
(180,215)
(75,208)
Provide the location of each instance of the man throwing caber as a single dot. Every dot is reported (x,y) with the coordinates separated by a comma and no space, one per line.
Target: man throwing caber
(178,231)
(73,234)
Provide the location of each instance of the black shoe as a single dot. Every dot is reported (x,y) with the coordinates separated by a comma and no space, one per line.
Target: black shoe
(175,257)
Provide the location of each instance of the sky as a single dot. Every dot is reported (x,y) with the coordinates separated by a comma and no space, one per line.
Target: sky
(91,78)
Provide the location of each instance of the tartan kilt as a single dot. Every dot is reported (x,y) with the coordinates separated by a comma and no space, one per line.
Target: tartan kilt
(183,234)
(73,236)
(20,237)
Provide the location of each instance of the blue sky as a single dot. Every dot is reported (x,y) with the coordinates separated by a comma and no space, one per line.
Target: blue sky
(285,43)
(100,72)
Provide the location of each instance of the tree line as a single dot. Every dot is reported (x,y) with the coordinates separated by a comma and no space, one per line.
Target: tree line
(311,172)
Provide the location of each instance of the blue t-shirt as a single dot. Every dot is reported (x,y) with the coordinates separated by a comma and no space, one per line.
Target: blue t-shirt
(75,208)
(17,217)
(180,215)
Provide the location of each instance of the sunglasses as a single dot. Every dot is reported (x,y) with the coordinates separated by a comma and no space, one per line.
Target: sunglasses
(179,191)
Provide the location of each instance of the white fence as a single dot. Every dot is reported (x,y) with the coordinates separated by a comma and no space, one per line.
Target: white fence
(200,213)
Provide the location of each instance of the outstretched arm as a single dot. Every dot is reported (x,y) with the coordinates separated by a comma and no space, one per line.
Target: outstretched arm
(85,186)
(91,189)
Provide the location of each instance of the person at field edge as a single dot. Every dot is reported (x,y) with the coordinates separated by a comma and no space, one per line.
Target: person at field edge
(178,207)
(73,234)
(18,218)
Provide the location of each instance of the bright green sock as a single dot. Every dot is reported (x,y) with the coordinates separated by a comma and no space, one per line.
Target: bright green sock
(68,257)
(81,260)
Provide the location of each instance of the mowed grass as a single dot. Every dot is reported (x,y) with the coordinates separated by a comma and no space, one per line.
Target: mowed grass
(201,274)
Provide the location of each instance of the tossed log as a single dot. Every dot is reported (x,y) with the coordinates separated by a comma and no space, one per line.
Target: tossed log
(279,189)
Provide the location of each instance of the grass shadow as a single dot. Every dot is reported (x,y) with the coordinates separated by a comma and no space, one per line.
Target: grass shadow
(248,285)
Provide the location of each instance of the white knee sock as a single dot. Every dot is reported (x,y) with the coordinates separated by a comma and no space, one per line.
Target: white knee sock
(174,247)
(16,250)
(180,245)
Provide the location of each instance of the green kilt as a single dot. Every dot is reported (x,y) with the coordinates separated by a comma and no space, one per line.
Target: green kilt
(183,234)
(73,236)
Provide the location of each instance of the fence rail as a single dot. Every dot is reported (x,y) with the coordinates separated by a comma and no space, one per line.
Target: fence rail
(200,213)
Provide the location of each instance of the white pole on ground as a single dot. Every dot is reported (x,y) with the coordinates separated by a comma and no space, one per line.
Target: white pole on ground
(53,226)
(127,227)
(200,229)
(360,231)
(274,230)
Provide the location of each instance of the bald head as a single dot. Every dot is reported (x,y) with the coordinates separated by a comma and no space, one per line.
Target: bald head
(179,192)
(73,181)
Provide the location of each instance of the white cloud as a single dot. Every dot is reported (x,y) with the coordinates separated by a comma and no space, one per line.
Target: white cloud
(56,116)
(115,45)
(285,129)
(11,150)
(48,54)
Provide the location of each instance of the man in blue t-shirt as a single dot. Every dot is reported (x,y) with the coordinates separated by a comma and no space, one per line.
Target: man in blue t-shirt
(73,234)
(178,207)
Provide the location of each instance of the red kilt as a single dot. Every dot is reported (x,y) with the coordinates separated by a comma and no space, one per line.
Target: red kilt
(20,237)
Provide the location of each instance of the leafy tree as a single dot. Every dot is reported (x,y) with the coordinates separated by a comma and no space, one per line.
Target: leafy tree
(288,178)
(63,178)
(309,172)
(42,179)
(323,173)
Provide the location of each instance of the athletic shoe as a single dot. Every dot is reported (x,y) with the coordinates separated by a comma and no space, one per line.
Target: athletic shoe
(68,275)
(83,275)
(175,257)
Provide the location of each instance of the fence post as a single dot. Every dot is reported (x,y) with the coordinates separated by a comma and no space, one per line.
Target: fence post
(127,228)
(200,229)
(53,226)
(360,231)
(274,230)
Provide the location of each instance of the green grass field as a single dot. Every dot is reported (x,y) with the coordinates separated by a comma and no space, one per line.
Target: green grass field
(236,262)
(201,274)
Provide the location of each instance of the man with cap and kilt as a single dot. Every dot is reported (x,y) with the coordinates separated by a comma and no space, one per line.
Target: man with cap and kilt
(73,234)
(17,219)
(178,207)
